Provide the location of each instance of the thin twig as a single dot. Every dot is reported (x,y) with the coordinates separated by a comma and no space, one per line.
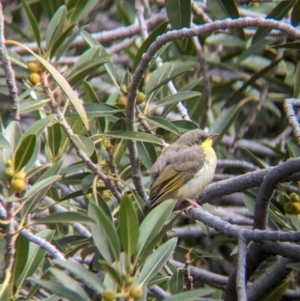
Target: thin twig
(269,280)
(230,230)
(242,182)
(292,117)
(241,269)
(204,276)
(10,239)
(9,73)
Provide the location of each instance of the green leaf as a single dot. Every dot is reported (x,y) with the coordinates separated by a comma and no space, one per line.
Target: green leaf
(90,93)
(65,217)
(12,134)
(128,226)
(260,163)
(191,295)
(30,105)
(185,125)
(156,261)
(157,31)
(160,235)
(60,290)
(24,152)
(153,223)
(20,258)
(56,26)
(84,143)
(54,139)
(147,153)
(61,39)
(138,136)
(36,193)
(52,171)
(251,50)
(80,9)
(297,81)
(69,283)
(78,270)
(278,292)
(35,256)
(94,110)
(112,272)
(164,74)
(104,234)
(89,61)
(179,13)
(161,122)
(3,142)
(222,9)
(177,282)
(225,120)
(33,22)
(277,13)
(295,15)
(191,85)
(175,98)
(291,45)
(39,126)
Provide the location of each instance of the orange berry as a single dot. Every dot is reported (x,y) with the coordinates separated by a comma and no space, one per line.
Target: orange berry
(296,207)
(34,67)
(18,185)
(136,292)
(140,97)
(21,175)
(34,78)
(122,101)
(108,295)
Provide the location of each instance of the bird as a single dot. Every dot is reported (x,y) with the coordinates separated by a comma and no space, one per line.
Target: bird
(184,169)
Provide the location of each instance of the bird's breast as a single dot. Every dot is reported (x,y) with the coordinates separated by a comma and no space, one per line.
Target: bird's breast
(202,178)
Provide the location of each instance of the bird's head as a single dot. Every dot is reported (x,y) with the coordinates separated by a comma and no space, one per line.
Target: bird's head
(196,137)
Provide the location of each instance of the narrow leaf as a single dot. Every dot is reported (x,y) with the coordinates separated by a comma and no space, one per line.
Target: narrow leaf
(156,261)
(65,217)
(33,23)
(81,272)
(24,152)
(153,223)
(138,136)
(129,226)
(164,74)
(84,143)
(109,232)
(191,295)
(297,81)
(147,153)
(179,96)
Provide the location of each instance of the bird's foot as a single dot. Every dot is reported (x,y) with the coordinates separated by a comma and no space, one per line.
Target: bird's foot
(193,205)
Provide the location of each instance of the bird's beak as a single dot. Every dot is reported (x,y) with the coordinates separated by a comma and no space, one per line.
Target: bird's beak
(213,136)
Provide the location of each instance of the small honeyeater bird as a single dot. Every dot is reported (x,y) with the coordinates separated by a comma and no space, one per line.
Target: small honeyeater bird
(184,169)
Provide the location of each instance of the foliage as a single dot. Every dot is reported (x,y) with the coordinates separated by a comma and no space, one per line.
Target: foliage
(94,117)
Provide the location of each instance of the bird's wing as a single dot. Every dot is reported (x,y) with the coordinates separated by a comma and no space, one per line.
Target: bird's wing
(178,170)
